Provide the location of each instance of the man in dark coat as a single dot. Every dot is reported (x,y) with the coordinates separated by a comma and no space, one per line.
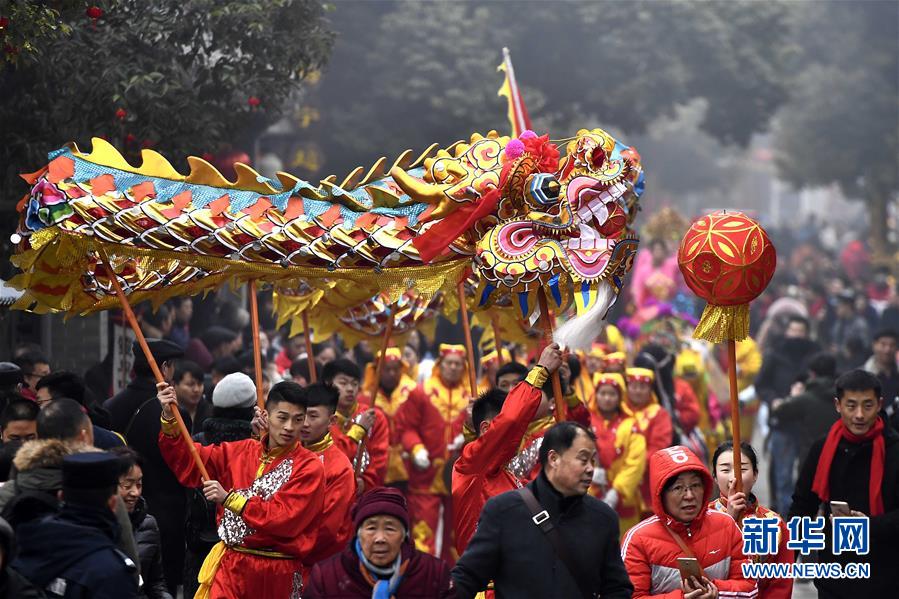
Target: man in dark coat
(61,384)
(73,554)
(858,463)
(381,560)
(510,548)
(123,405)
(135,413)
(12,584)
(808,416)
(780,366)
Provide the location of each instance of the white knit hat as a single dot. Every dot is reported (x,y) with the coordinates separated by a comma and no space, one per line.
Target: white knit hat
(234,391)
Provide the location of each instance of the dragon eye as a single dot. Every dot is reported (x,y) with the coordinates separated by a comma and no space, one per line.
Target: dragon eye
(542,189)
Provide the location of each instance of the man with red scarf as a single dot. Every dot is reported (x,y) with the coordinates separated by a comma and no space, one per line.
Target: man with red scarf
(427,423)
(858,463)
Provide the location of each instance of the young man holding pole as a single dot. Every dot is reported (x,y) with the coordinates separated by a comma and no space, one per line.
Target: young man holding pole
(334,523)
(356,423)
(500,421)
(270,492)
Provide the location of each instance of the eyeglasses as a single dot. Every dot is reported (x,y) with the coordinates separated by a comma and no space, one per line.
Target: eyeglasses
(681,490)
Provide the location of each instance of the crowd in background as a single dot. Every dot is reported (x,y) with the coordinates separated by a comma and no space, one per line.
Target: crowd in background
(642,393)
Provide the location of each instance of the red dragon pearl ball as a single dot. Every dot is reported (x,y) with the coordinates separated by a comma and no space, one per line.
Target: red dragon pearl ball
(727,258)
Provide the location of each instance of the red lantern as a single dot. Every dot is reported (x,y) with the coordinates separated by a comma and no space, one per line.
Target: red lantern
(254,102)
(728,260)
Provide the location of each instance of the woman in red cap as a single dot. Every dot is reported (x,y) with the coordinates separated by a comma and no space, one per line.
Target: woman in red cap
(381,562)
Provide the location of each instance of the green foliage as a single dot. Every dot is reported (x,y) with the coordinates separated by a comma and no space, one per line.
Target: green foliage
(844,99)
(25,27)
(840,125)
(181,76)
(407,73)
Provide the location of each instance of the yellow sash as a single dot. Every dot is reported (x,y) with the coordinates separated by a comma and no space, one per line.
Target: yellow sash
(209,568)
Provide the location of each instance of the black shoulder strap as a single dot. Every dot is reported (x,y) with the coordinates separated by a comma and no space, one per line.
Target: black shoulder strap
(540,517)
(133,416)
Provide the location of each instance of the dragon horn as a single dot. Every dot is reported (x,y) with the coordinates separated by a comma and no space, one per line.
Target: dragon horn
(428,193)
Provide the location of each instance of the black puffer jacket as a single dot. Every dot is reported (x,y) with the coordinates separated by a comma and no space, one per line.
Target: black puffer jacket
(146,533)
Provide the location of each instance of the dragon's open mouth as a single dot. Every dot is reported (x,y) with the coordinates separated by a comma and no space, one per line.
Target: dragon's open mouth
(591,250)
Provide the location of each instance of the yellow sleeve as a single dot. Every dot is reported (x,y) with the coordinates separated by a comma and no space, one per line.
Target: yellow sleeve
(356,432)
(537,376)
(627,480)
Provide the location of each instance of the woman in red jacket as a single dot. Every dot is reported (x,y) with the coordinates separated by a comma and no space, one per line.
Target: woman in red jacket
(741,505)
(683,526)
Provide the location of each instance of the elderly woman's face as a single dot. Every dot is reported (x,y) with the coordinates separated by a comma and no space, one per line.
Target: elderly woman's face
(381,538)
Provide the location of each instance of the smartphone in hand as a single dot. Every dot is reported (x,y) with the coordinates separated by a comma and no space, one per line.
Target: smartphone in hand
(839,508)
(689,566)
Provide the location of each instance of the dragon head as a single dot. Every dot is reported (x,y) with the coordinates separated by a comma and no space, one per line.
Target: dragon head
(535,219)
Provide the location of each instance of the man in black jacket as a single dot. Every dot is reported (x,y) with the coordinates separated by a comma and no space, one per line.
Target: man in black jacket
(787,359)
(858,463)
(123,405)
(512,550)
(808,416)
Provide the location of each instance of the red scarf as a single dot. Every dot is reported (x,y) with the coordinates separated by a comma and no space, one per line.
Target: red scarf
(821,484)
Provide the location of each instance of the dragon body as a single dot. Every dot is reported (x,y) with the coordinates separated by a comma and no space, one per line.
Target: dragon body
(511,210)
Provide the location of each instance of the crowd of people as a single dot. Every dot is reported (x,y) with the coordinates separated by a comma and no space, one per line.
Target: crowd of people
(398,481)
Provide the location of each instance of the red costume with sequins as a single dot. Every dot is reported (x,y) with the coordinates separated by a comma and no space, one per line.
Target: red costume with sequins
(480,472)
(335,527)
(525,464)
(347,434)
(267,523)
(429,419)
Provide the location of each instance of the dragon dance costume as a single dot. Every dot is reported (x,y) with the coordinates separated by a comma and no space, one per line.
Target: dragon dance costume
(268,523)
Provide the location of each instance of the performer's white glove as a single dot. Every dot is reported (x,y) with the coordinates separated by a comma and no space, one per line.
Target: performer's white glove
(457,443)
(611,498)
(420,459)
(599,476)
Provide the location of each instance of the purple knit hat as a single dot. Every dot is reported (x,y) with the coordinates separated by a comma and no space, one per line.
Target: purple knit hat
(381,501)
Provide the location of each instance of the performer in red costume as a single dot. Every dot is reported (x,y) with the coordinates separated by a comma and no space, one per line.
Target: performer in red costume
(356,420)
(394,387)
(500,421)
(427,424)
(525,464)
(334,524)
(270,494)
(653,421)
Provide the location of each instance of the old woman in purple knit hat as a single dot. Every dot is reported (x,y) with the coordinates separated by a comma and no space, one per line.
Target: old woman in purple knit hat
(381,562)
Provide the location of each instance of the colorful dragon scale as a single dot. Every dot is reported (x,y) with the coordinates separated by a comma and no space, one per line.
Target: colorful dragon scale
(169,234)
